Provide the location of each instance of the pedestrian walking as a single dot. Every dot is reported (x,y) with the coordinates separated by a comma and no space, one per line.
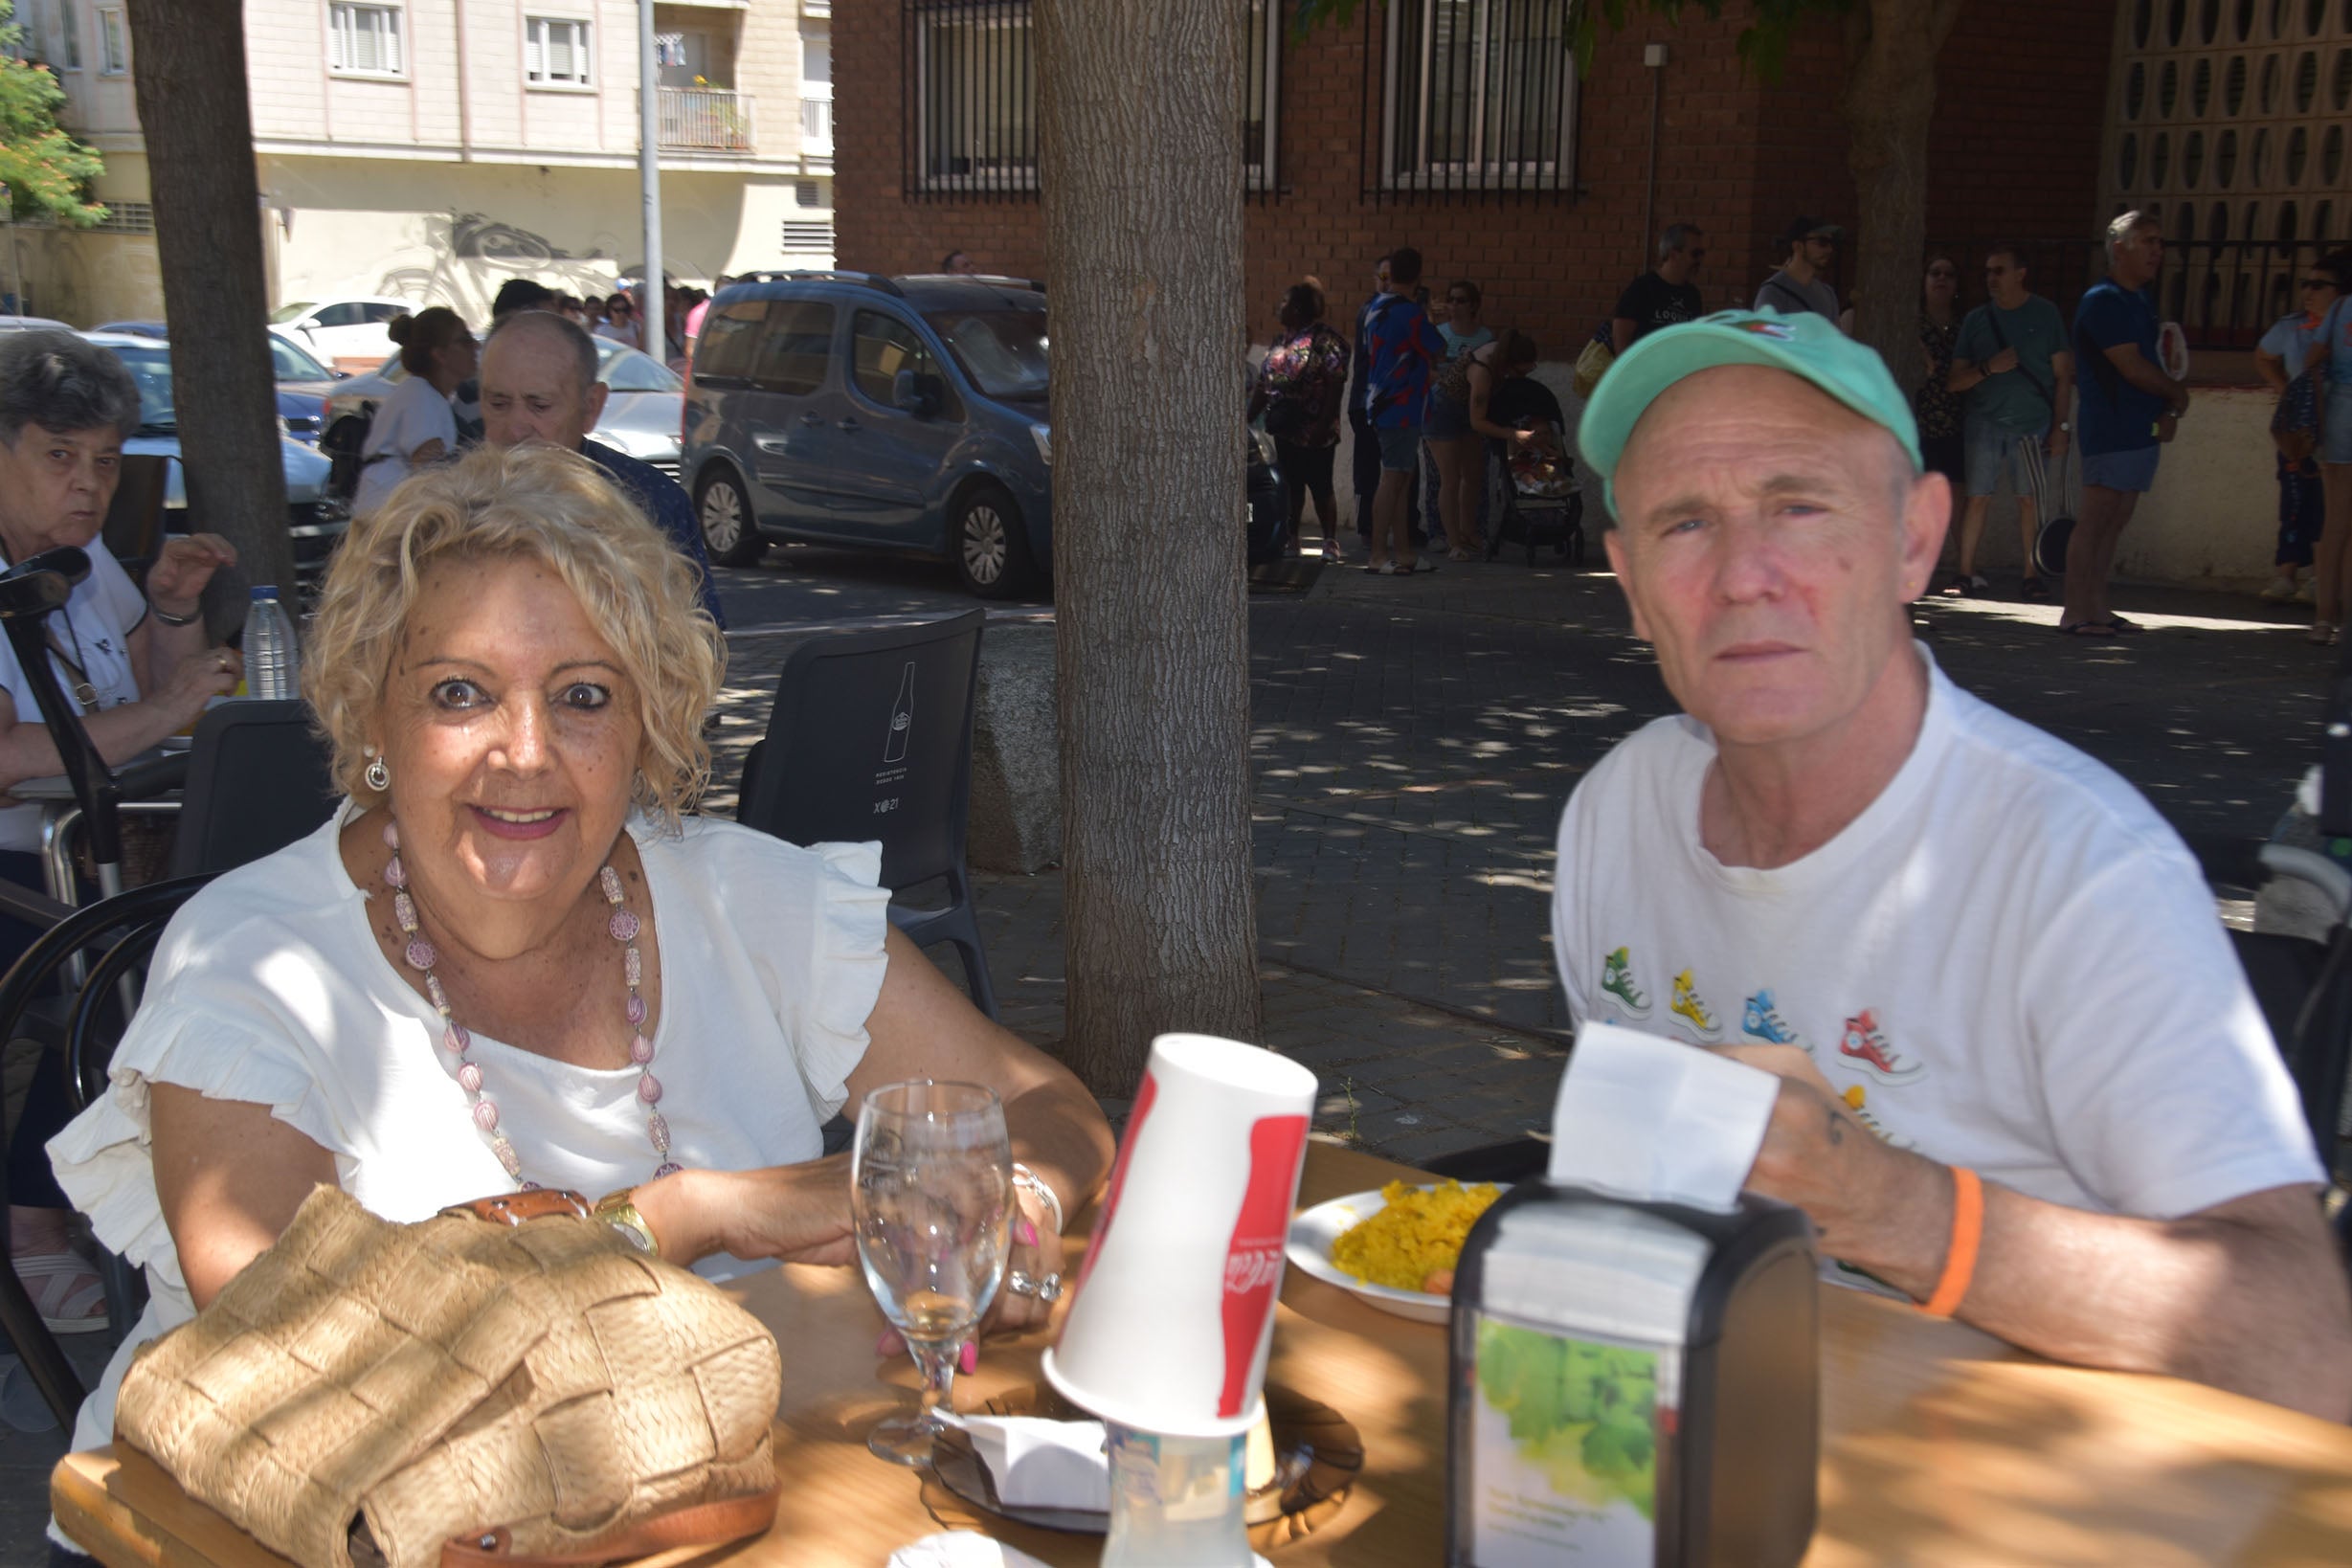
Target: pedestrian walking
(2128,409)
(1403,349)
(2013,366)
(1300,390)
(2283,359)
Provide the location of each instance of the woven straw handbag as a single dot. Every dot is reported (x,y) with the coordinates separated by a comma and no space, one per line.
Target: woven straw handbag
(459,1392)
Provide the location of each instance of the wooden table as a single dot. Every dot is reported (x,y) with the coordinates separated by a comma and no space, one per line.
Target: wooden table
(1942,1447)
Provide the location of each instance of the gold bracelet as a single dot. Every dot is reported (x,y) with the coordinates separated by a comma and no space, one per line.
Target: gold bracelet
(619,1210)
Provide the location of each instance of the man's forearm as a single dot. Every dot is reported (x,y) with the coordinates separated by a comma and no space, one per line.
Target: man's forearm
(2257,1304)
(2153,381)
(168,647)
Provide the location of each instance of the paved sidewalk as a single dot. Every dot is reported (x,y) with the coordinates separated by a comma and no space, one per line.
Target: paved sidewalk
(1415,740)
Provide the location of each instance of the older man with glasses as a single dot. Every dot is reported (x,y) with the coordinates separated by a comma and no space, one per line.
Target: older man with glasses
(1665,294)
(2012,363)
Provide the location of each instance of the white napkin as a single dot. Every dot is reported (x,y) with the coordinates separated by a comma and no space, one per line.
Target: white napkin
(1038,1463)
(1647,1118)
(960,1548)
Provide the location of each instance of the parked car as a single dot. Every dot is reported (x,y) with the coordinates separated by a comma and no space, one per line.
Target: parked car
(302,382)
(640,418)
(341,329)
(904,414)
(31,323)
(899,414)
(315,520)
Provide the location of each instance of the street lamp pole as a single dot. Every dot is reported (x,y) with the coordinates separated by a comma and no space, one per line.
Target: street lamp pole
(649,181)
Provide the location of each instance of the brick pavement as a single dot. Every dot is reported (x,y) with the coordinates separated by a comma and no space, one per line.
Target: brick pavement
(1414,741)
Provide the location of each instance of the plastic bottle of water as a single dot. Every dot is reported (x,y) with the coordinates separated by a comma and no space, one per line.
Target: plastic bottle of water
(271,659)
(1175,1502)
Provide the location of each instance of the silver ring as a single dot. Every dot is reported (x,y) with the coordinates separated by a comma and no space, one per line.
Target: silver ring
(1020,1283)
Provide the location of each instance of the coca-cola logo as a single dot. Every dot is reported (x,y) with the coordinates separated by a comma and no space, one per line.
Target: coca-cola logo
(1254,1265)
(1253,1257)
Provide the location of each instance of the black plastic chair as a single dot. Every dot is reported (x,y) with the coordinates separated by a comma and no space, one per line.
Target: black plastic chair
(872,738)
(123,930)
(256,781)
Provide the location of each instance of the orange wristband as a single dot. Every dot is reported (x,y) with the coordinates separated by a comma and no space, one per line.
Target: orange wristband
(1959,1264)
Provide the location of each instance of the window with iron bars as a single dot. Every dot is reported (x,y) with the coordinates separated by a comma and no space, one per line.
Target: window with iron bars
(971,77)
(1473,97)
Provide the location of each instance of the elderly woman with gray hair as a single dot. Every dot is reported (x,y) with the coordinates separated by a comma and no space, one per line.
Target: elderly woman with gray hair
(511,957)
(137,667)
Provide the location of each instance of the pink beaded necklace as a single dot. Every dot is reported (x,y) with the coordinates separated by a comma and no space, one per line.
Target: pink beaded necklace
(623,925)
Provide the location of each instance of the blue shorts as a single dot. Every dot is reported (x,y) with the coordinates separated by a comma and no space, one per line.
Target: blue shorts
(1996,455)
(2131,470)
(2335,424)
(1400,448)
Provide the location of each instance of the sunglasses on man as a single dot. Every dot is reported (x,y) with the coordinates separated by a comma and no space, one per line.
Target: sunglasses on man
(2318,283)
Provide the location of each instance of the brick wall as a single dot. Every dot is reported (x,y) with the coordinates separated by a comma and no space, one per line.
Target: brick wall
(2020,103)
(1736,156)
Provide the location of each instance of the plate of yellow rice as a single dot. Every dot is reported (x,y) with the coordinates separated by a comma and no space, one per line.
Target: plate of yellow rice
(1396,1247)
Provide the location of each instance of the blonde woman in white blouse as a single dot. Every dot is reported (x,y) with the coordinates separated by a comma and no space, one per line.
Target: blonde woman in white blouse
(555,975)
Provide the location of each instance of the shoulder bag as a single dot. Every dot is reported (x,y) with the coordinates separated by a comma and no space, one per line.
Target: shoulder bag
(458,1392)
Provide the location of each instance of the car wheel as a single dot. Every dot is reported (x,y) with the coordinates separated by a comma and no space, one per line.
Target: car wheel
(988,543)
(729,532)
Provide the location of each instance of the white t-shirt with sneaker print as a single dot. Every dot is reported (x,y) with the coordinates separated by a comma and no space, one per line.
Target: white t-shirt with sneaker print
(2008,962)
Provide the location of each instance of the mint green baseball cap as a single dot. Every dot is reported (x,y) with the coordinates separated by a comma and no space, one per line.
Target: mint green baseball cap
(1803,345)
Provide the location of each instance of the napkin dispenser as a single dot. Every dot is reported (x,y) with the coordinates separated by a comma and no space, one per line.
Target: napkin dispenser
(1634,1383)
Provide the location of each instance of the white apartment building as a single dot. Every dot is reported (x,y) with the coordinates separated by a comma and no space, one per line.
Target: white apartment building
(431,149)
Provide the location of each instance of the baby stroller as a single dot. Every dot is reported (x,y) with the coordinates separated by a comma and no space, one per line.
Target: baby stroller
(1533,496)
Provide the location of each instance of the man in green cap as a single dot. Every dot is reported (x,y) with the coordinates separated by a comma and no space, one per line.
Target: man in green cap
(2022,1076)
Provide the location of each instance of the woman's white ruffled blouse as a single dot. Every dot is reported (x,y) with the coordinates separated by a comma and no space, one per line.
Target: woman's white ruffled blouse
(269,987)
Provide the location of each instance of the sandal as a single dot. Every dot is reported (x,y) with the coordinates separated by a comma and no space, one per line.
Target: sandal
(2088,628)
(2128,628)
(65,1291)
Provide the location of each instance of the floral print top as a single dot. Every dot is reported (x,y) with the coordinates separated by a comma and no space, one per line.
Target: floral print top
(1937,409)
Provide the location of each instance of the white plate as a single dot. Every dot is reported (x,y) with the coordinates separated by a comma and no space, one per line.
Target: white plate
(1311,1235)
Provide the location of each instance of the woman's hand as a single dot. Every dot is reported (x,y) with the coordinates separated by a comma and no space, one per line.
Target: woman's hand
(177,581)
(199,679)
(790,1212)
(1035,1255)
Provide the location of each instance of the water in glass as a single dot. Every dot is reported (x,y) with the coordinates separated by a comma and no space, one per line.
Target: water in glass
(932,1197)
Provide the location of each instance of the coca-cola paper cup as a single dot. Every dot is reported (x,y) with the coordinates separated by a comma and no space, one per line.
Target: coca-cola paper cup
(1175,1305)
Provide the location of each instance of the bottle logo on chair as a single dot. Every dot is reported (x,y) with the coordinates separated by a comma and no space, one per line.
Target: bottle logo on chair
(1253,1258)
(902,718)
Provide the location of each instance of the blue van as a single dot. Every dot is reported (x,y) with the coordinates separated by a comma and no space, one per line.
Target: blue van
(902,413)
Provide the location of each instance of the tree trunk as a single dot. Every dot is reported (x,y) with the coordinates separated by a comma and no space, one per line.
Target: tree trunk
(1889,99)
(192,109)
(1139,140)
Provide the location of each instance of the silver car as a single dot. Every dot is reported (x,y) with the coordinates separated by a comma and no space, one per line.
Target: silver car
(640,415)
(315,519)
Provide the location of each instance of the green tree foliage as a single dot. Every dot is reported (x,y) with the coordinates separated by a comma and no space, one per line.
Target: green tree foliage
(47,172)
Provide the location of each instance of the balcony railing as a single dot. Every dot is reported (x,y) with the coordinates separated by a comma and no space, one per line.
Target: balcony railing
(705,120)
(816,128)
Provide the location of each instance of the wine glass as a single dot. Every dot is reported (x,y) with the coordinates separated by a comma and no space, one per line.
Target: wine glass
(932,1197)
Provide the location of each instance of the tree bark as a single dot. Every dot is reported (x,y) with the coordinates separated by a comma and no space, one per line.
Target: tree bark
(192,109)
(1890,100)
(1140,142)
